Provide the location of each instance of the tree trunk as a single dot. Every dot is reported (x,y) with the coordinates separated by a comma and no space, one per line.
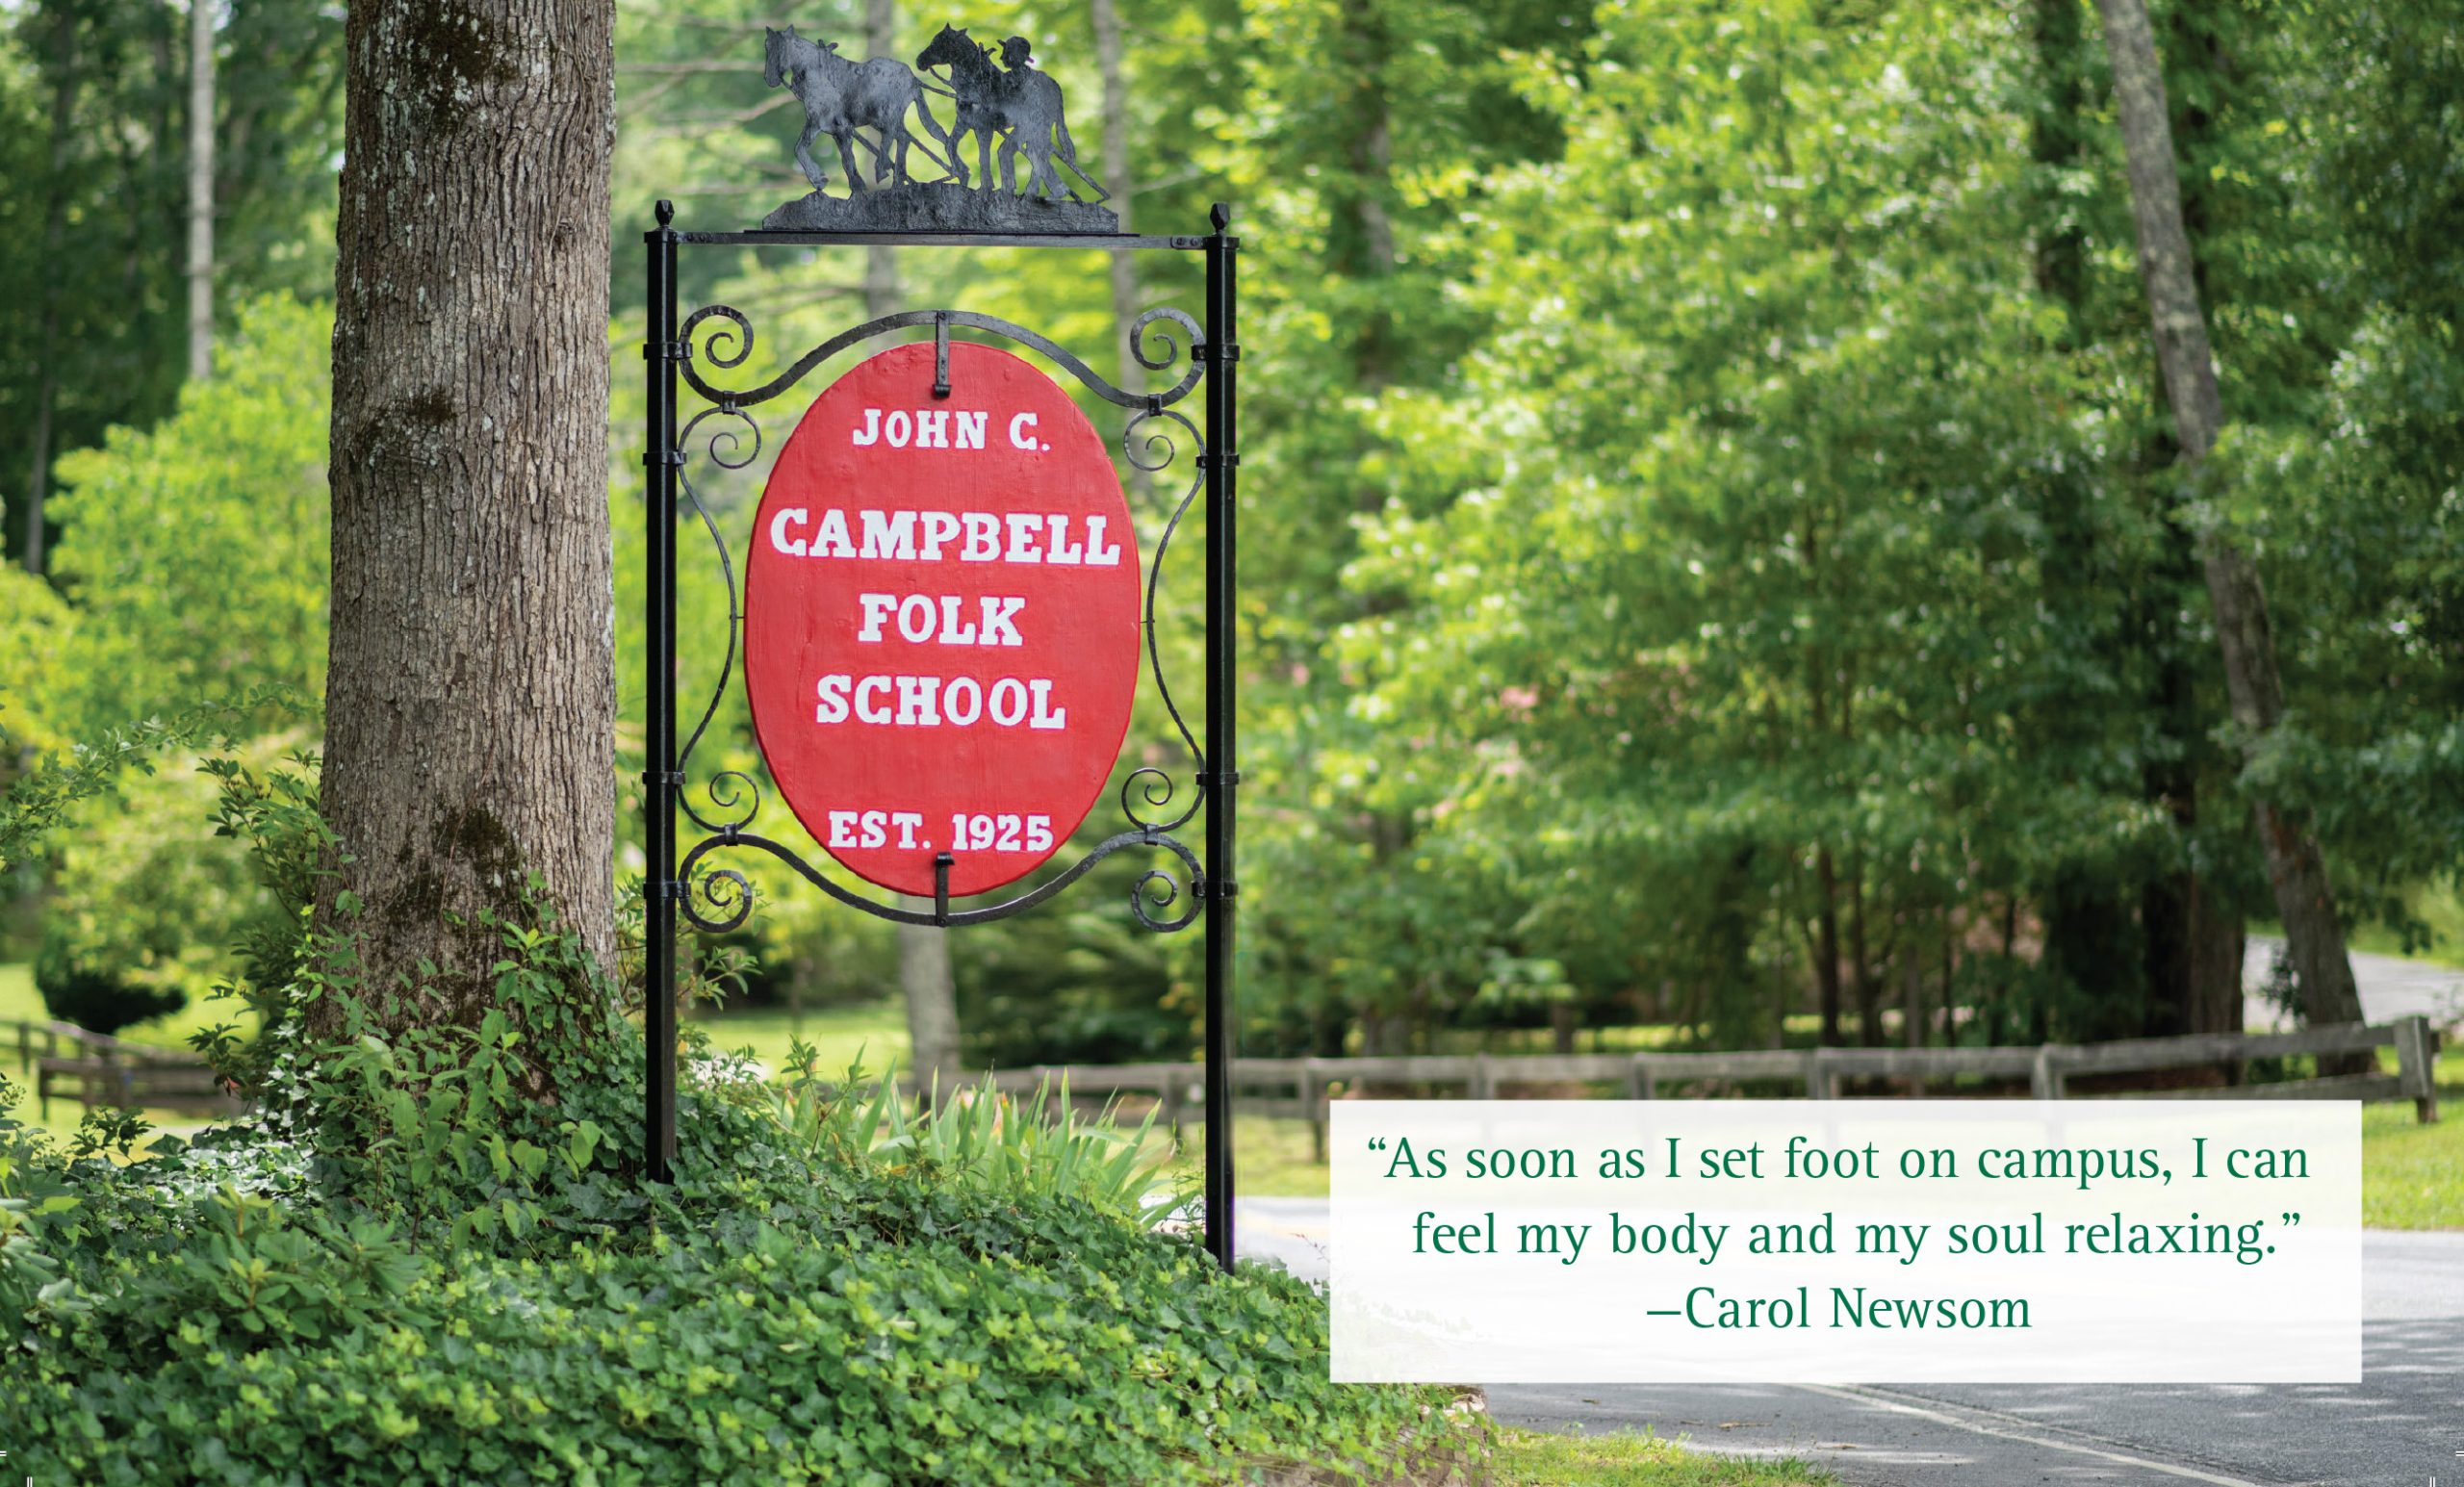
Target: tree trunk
(1950,982)
(200,189)
(55,230)
(1561,1027)
(1869,1017)
(2217,941)
(1826,966)
(1117,182)
(1361,238)
(38,475)
(1911,993)
(924,978)
(2296,869)
(471,698)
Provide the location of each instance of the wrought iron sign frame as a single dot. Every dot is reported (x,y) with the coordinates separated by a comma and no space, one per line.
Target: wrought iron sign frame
(715,899)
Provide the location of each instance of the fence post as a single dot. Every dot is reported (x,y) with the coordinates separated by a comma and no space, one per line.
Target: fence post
(1819,1083)
(1312,1099)
(1483,1083)
(2417,1068)
(1173,1084)
(1638,1083)
(2044,1082)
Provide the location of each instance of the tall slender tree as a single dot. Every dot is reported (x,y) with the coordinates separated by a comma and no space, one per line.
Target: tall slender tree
(1109,64)
(200,189)
(64,98)
(924,976)
(2297,870)
(471,698)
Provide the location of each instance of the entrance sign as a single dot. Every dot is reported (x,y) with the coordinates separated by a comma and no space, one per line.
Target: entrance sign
(941,618)
(941,608)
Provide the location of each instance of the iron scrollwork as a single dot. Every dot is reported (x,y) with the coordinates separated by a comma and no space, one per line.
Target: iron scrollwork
(729,345)
(716,899)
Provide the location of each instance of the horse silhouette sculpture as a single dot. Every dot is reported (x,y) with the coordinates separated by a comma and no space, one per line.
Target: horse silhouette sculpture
(842,97)
(1019,105)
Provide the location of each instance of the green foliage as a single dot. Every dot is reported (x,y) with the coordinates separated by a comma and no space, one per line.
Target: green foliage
(99,998)
(1721,525)
(145,913)
(94,121)
(980,1139)
(290,848)
(1764,569)
(39,801)
(139,909)
(193,557)
(34,630)
(1624,1458)
(196,549)
(1085,984)
(413,1269)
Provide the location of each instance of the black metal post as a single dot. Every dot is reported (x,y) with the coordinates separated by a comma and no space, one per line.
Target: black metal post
(659,772)
(1222,463)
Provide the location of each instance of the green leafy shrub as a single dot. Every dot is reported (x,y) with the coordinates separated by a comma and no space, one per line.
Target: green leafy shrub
(234,605)
(100,998)
(431,1259)
(142,900)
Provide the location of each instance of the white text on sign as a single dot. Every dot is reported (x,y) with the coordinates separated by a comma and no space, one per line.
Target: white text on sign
(1024,537)
(930,702)
(969,832)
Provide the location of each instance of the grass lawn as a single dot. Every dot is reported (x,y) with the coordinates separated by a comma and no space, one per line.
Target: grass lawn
(2412,1175)
(1539,1458)
(876,1030)
(1271,1158)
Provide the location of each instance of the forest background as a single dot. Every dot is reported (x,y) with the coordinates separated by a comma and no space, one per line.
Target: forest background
(1713,547)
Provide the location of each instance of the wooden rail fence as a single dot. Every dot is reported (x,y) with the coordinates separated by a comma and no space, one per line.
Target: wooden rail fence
(1301,1087)
(104,1072)
(112,1071)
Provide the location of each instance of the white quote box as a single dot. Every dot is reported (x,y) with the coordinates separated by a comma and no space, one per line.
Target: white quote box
(2079,1275)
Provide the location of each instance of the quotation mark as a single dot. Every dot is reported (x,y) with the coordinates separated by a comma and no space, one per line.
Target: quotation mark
(1375,1144)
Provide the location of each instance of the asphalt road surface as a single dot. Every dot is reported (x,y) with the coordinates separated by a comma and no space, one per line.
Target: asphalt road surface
(2402,1426)
(2389,988)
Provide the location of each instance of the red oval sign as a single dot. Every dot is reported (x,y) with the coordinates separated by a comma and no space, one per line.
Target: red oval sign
(941,618)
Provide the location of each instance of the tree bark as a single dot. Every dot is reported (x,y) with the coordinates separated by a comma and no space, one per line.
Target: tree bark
(1117,182)
(2297,870)
(1869,1017)
(1360,240)
(2217,938)
(924,978)
(471,698)
(55,228)
(200,189)
(1826,950)
(1911,991)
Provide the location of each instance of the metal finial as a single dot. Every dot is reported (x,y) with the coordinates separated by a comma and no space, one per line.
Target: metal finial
(1220,214)
(666,211)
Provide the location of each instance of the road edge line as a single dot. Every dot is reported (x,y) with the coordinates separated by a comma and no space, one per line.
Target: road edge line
(1885,1401)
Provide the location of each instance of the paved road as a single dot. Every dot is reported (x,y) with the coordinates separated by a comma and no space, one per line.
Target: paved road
(2402,1426)
(2389,988)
